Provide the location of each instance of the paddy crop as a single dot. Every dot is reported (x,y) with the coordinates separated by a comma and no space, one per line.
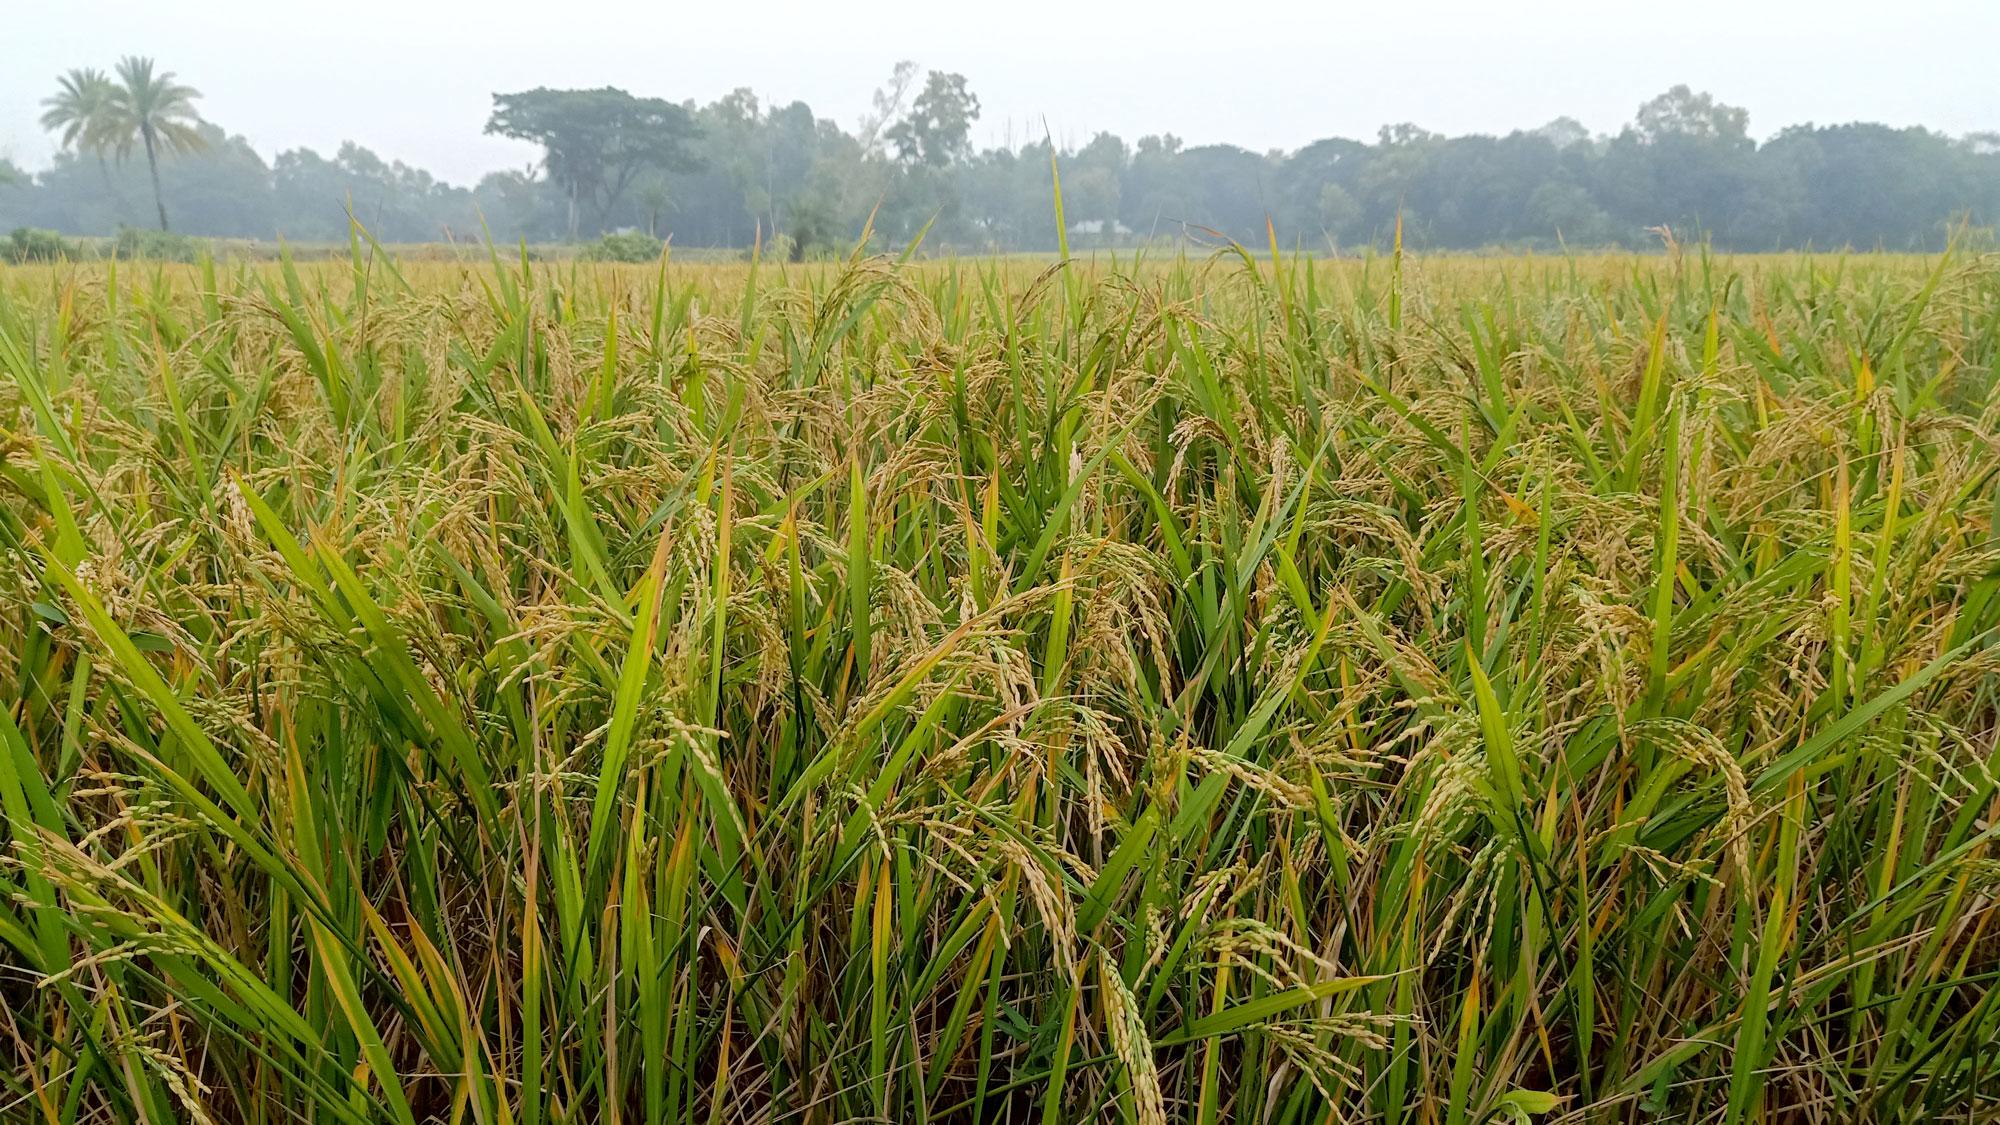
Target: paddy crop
(1243,689)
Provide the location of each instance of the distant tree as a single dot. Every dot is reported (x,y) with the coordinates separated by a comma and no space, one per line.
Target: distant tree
(1403,133)
(394,201)
(924,188)
(1869,186)
(156,112)
(1564,210)
(791,150)
(938,129)
(888,105)
(815,220)
(83,113)
(1304,208)
(1686,161)
(223,188)
(654,197)
(736,146)
(1399,181)
(1092,181)
(1337,212)
(519,204)
(1154,195)
(717,174)
(1680,112)
(1225,191)
(595,143)
(1564,132)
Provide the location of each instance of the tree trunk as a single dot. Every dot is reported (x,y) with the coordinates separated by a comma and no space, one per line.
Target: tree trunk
(572,212)
(153,166)
(116,195)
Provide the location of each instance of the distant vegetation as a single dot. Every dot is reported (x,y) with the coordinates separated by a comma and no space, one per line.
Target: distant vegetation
(632,246)
(27,244)
(142,107)
(736,170)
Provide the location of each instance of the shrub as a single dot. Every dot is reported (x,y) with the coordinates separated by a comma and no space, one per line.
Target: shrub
(30,244)
(630,246)
(158,245)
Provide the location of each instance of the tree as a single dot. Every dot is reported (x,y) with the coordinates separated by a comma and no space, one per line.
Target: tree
(1680,112)
(1225,191)
(83,113)
(790,150)
(396,202)
(1303,205)
(719,174)
(654,197)
(518,204)
(735,146)
(152,109)
(938,130)
(596,142)
(1154,192)
(1565,211)
(1564,132)
(1686,162)
(1870,186)
(888,102)
(1403,134)
(1093,179)
(1338,213)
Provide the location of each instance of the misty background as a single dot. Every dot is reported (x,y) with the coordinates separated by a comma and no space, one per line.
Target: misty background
(1830,125)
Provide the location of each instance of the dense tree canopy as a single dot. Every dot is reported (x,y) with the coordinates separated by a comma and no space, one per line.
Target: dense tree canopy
(736,171)
(595,142)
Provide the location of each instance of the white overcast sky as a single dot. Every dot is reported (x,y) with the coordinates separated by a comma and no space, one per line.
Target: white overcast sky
(412,79)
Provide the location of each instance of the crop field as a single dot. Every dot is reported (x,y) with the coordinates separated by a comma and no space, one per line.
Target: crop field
(1233,689)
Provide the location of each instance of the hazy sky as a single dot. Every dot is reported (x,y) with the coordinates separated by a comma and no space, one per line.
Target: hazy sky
(412,79)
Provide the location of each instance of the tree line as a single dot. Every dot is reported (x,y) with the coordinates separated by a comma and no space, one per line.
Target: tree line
(737,171)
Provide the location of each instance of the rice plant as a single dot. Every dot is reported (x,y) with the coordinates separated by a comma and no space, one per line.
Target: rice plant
(1242,689)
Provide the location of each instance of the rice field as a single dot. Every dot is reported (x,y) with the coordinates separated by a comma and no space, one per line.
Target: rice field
(1234,689)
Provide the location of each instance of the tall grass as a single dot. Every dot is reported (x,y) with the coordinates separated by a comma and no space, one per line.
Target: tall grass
(1247,690)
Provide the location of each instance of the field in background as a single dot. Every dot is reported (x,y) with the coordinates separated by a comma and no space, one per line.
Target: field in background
(1237,689)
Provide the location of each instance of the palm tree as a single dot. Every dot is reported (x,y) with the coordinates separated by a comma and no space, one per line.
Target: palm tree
(158,112)
(84,112)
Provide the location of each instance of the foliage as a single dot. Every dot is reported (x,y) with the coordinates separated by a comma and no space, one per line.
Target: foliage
(1210,690)
(595,142)
(84,112)
(782,248)
(312,196)
(630,246)
(938,130)
(149,109)
(736,170)
(158,245)
(27,244)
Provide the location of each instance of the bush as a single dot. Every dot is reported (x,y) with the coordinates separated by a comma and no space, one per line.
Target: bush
(631,246)
(28,244)
(158,245)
